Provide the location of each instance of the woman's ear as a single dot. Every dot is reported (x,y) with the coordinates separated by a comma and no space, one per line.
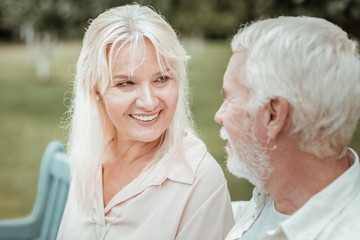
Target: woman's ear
(277,110)
(98,96)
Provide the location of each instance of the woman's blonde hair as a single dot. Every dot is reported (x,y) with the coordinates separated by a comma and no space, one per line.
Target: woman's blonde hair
(91,129)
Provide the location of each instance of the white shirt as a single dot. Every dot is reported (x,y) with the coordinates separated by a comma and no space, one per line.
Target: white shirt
(333,213)
(178,200)
(268,220)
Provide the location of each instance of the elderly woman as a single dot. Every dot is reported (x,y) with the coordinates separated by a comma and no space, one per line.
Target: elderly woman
(138,169)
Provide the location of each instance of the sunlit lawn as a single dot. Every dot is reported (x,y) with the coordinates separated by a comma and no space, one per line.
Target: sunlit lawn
(30,117)
(31,112)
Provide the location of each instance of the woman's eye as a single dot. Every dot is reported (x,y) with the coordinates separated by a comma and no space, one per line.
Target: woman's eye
(124,84)
(162,79)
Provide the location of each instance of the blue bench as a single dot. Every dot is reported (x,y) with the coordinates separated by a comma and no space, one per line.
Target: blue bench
(44,220)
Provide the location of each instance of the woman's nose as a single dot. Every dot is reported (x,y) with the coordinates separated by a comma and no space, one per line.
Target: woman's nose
(147,98)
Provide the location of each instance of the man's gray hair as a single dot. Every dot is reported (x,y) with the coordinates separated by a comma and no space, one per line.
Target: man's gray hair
(313,65)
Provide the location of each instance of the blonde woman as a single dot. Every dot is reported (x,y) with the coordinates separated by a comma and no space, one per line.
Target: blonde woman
(138,169)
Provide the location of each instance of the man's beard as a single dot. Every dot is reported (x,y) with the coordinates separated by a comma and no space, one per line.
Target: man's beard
(246,158)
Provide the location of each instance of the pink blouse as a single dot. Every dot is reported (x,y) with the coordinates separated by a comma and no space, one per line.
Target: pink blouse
(179,200)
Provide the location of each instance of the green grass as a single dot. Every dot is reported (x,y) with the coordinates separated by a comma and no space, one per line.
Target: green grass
(30,115)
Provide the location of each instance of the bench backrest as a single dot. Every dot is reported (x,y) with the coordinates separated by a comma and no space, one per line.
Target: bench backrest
(44,220)
(52,190)
(59,174)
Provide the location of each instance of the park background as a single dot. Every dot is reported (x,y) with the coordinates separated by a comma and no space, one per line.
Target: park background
(39,44)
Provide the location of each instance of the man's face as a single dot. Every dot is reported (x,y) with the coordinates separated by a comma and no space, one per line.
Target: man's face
(246,156)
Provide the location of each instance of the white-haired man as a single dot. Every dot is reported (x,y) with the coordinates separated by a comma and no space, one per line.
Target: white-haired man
(292,89)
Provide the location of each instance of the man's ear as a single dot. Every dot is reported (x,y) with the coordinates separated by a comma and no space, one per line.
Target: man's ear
(277,110)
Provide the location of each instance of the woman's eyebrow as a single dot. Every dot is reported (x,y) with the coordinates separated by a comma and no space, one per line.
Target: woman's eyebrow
(160,73)
(125,76)
(122,76)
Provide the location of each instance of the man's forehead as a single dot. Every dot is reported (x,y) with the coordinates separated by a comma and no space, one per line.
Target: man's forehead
(234,77)
(234,71)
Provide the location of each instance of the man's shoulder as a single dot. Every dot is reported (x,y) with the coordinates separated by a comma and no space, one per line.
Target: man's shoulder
(342,229)
(345,224)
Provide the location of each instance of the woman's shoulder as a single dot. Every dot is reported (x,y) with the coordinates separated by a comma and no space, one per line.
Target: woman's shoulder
(203,164)
(210,170)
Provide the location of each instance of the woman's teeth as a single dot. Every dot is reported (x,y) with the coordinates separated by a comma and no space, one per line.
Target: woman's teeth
(144,118)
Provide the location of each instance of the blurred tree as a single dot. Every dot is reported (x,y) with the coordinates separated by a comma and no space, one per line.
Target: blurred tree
(41,22)
(200,18)
(38,23)
(344,13)
(205,18)
(5,32)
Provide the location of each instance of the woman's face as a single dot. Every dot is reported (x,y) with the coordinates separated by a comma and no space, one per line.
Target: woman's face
(140,106)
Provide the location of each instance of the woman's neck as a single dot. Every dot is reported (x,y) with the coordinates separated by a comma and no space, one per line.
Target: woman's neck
(125,152)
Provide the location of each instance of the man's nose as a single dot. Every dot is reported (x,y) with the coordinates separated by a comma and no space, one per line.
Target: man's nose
(147,98)
(219,115)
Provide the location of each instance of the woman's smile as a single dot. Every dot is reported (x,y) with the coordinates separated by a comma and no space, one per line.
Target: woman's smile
(145,117)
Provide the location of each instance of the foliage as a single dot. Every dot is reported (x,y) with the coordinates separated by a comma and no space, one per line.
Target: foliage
(202,18)
(345,13)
